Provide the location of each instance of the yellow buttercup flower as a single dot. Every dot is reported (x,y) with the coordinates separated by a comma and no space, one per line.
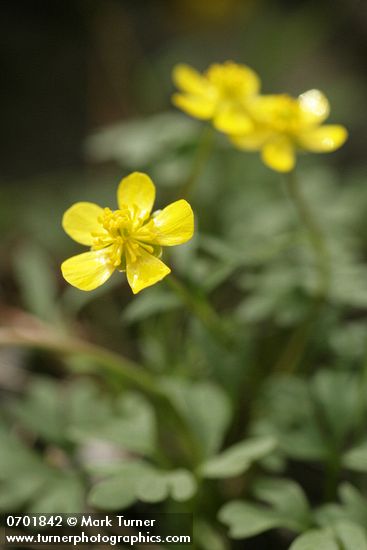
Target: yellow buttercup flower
(284,125)
(128,239)
(221,95)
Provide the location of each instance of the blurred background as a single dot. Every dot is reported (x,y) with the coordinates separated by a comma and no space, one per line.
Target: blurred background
(85,99)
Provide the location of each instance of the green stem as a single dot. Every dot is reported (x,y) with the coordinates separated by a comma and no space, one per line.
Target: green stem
(126,371)
(296,344)
(201,309)
(362,398)
(332,476)
(298,340)
(314,233)
(201,157)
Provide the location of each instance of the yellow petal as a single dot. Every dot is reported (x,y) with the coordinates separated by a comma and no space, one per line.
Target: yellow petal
(323,139)
(81,220)
(314,107)
(137,190)
(232,120)
(239,78)
(278,112)
(197,106)
(145,271)
(191,81)
(279,154)
(253,141)
(89,270)
(171,226)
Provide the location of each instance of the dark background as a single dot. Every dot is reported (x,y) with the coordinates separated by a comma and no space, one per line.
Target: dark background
(70,66)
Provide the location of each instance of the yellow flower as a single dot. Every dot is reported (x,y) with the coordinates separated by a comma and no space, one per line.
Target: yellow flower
(284,124)
(221,95)
(128,239)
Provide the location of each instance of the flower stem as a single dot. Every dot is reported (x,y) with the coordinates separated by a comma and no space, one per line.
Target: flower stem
(314,233)
(202,309)
(201,157)
(298,340)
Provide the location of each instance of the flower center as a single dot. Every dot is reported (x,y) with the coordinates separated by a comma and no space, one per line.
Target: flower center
(230,82)
(286,117)
(119,233)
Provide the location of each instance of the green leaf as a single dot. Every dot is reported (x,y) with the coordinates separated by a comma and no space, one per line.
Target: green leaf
(348,340)
(182,484)
(113,494)
(140,481)
(15,458)
(247,520)
(354,503)
(287,497)
(128,422)
(152,487)
(206,408)
(42,411)
(138,142)
(353,508)
(340,414)
(63,493)
(18,491)
(207,537)
(237,459)
(157,485)
(328,514)
(286,412)
(351,535)
(314,540)
(134,427)
(356,458)
(119,490)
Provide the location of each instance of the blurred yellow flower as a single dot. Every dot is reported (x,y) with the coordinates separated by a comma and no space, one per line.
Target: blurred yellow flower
(221,94)
(128,239)
(284,124)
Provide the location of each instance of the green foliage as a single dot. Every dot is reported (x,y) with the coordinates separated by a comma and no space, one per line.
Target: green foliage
(139,480)
(315,539)
(155,143)
(27,479)
(237,459)
(288,509)
(351,536)
(356,458)
(310,420)
(147,305)
(37,282)
(345,535)
(353,508)
(205,407)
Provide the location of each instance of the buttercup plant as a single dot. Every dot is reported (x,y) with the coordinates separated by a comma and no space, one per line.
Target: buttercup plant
(206,411)
(129,239)
(278,126)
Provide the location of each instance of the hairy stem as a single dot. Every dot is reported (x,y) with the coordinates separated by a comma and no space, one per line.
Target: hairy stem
(201,157)
(201,308)
(298,340)
(314,233)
